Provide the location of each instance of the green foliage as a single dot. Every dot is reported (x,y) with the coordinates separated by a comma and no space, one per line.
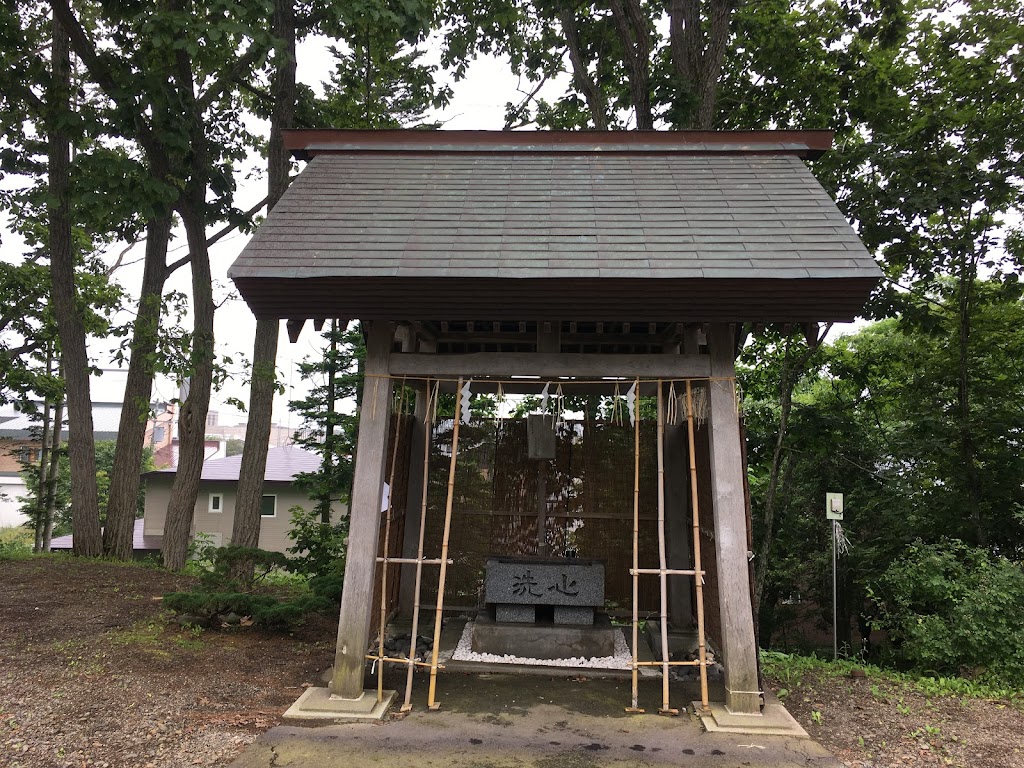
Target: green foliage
(264,610)
(950,607)
(336,376)
(318,552)
(792,670)
(15,543)
(316,545)
(62,491)
(243,581)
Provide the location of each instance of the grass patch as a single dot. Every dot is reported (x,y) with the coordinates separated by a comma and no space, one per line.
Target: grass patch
(790,669)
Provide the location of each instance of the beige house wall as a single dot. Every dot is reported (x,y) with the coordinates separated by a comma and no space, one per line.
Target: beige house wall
(273,530)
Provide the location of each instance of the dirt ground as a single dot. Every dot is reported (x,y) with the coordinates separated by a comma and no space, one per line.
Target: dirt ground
(870,723)
(92,674)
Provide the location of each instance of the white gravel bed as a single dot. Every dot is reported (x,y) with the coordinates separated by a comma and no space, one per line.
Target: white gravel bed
(622,659)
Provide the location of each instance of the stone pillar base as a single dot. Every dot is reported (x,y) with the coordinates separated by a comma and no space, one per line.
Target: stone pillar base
(774,720)
(320,704)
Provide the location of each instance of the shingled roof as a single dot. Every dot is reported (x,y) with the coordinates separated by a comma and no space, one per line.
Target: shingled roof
(592,226)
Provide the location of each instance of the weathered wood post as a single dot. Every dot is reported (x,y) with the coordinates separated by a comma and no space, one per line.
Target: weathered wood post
(364,520)
(738,646)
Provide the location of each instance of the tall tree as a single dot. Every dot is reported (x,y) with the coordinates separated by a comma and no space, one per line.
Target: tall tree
(67,306)
(625,73)
(378,82)
(245,531)
(172,80)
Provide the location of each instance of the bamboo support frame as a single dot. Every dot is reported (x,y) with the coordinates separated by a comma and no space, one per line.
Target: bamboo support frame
(666,708)
(403,662)
(635,706)
(387,544)
(697,566)
(663,571)
(431,702)
(412,560)
(428,425)
(666,571)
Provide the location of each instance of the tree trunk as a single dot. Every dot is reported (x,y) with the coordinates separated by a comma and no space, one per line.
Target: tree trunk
(327,463)
(635,37)
(51,480)
(123,502)
(192,416)
(246,529)
(586,84)
(44,452)
(968,452)
(792,371)
(85,519)
(698,50)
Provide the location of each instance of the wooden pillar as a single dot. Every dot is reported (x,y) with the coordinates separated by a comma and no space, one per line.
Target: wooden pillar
(364,518)
(738,646)
(414,504)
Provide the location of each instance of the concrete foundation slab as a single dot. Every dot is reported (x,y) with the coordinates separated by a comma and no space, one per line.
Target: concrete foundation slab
(319,704)
(774,720)
(544,641)
(513,721)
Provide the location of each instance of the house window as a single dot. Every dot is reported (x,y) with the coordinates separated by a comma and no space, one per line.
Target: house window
(216,503)
(268,506)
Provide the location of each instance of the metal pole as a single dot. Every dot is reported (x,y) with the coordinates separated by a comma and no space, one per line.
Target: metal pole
(835,599)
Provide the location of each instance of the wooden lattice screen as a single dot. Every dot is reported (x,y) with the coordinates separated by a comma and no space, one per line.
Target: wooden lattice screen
(399,500)
(590,504)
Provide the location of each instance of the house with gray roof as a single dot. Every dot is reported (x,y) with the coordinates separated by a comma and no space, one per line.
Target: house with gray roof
(218,488)
(19,441)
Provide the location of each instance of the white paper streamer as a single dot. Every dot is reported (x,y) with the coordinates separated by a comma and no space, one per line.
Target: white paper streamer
(466,396)
(631,404)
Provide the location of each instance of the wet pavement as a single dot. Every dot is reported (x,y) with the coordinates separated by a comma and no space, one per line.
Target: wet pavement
(498,720)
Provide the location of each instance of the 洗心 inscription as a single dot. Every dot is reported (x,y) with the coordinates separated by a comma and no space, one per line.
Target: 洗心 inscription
(552,581)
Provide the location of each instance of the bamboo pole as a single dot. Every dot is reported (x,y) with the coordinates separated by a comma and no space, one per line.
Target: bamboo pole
(428,425)
(635,708)
(698,578)
(666,708)
(387,545)
(431,703)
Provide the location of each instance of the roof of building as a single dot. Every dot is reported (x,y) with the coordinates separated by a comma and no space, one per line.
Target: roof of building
(106,419)
(283,464)
(140,540)
(458,225)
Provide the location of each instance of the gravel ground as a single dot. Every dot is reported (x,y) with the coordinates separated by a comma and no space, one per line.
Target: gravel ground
(92,674)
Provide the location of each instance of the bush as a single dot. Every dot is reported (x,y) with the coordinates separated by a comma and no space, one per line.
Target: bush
(265,610)
(228,579)
(15,543)
(319,547)
(949,607)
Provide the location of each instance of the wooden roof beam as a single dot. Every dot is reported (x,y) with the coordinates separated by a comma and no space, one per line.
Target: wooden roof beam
(550,364)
